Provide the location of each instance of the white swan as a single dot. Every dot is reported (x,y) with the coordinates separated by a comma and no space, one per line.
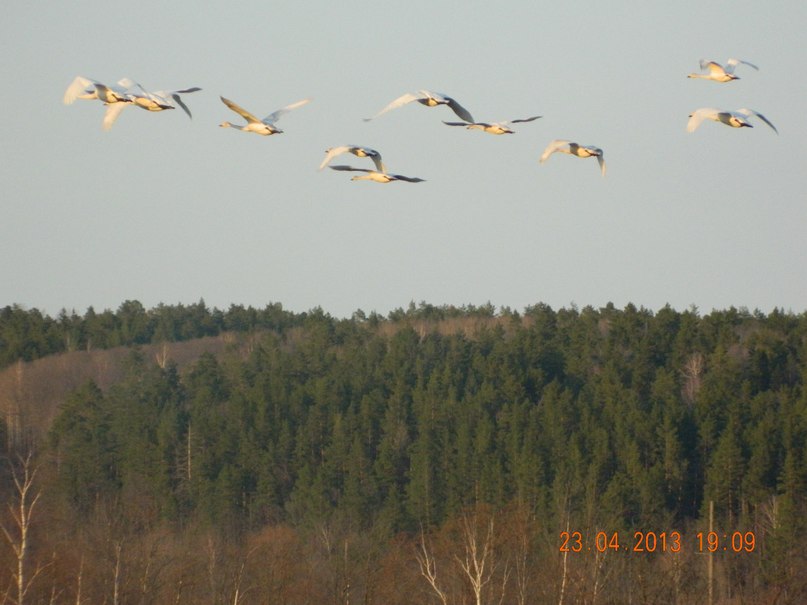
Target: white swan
(85,88)
(116,98)
(160,100)
(581,151)
(491,127)
(719,73)
(736,119)
(377,177)
(263,127)
(358,151)
(429,99)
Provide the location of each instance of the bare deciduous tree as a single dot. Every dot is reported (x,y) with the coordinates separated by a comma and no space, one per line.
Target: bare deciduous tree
(692,373)
(18,535)
(428,567)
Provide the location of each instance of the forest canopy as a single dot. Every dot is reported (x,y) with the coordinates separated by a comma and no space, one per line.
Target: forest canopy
(394,428)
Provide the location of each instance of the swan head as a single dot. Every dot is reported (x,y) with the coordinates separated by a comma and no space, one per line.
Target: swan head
(225,125)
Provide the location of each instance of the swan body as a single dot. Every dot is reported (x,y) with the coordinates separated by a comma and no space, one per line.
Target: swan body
(358,151)
(720,73)
(736,119)
(264,127)
(492,127)
(376,176)
(429,99)
(581,151)
(160,100)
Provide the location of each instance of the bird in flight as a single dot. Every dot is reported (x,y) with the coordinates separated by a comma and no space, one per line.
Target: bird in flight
(115,97)
(429,99)
(720,73)
(264,127)
(491,127)
(375,176)
(358,151)
(160,100)
(581,151)
(736,119)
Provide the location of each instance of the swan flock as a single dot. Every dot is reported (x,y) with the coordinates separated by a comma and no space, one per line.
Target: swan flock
(126,92)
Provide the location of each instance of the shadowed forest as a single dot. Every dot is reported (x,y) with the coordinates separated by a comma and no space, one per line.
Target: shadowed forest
(437,455)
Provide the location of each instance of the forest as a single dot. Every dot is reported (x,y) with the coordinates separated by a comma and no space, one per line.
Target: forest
(438,455)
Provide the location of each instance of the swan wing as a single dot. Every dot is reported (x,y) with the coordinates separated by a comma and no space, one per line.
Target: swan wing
(342,167)
(175,97)
(400,102)
(699,115)
(751,112)
(458,123)
(524,120)
(376,157)
(601,161)
(408,179)
(556,145)
(240,111)
(112,112)
(713,67)
(733,63)
(275,115)
(458,109)
(187,90)
(332,153)
(80,88)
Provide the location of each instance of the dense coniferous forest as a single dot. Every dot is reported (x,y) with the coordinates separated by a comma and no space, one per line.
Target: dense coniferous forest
(435,455)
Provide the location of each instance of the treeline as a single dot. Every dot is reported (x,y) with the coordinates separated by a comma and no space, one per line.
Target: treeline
(407,439)
(28,334)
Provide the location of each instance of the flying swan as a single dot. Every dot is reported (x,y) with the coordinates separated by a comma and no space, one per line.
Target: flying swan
(358,151)
(159,100)
(581,151)
(736,119)
(375,176)
(719,73)
(115,97)
(264,127)
(491,127)
(429,99)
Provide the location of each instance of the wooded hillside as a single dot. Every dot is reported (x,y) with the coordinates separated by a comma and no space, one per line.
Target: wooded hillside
(435,455)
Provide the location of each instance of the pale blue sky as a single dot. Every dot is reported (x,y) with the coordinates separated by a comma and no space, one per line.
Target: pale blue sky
(165,209)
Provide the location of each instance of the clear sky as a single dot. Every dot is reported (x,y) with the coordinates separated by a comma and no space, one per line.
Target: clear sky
(164,209)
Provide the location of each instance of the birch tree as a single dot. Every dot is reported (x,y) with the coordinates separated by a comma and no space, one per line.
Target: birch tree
(18,533)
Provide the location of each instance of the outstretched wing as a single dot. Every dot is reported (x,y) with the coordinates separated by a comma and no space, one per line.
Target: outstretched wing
(699,115)
(601,161)
(175,97)
(112,112)
(554,146)
(408,179)
(458,123)
(342,167)
(240,111)
(332,153)
(80,88)
(458,109)
(750,112)
(275,115)
(732,63)
(399,102)
(525,120)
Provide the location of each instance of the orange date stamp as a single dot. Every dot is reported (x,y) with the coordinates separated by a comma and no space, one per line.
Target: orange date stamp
(657,542)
